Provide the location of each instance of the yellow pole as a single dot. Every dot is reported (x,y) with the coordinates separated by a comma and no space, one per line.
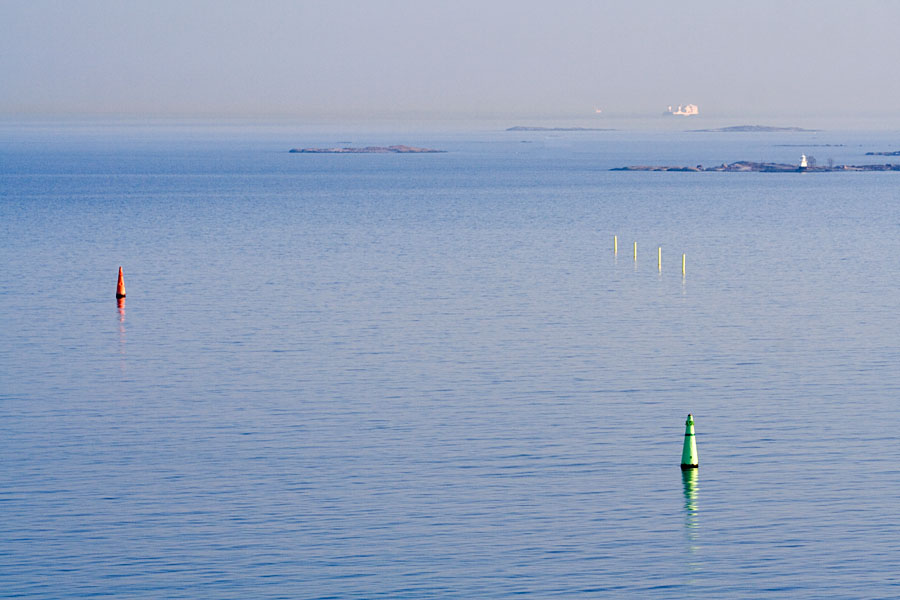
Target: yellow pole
(682,265)
(615,244)
(659,258)
(635,252)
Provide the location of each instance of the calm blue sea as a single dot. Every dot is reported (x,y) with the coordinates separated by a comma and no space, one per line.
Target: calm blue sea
(429,376)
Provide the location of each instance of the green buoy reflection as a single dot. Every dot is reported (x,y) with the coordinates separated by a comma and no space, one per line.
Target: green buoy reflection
(690,480)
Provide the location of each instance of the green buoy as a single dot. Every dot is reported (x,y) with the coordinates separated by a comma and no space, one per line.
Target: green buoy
(689,457)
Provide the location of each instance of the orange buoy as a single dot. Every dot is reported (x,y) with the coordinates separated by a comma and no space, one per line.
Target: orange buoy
(120,289)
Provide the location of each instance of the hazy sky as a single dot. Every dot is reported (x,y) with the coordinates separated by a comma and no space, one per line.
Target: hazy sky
(465,58)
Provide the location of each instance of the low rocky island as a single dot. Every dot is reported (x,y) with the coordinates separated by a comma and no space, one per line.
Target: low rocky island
(746,166)
(524,128)
(754,129)
(367,150)
(894,153)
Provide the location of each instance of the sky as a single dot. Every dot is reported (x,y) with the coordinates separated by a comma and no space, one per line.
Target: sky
(448,59)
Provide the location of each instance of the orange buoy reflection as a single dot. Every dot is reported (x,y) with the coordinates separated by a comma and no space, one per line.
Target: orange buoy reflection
(120,304)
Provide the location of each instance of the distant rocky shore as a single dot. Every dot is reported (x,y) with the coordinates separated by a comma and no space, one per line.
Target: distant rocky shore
(894,153)
(753,129)
(524,128)
(367,150)
(745,166)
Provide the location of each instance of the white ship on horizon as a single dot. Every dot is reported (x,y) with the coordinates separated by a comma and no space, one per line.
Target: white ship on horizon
(687,110)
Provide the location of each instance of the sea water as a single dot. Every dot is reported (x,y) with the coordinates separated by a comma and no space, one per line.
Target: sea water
(430,376)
